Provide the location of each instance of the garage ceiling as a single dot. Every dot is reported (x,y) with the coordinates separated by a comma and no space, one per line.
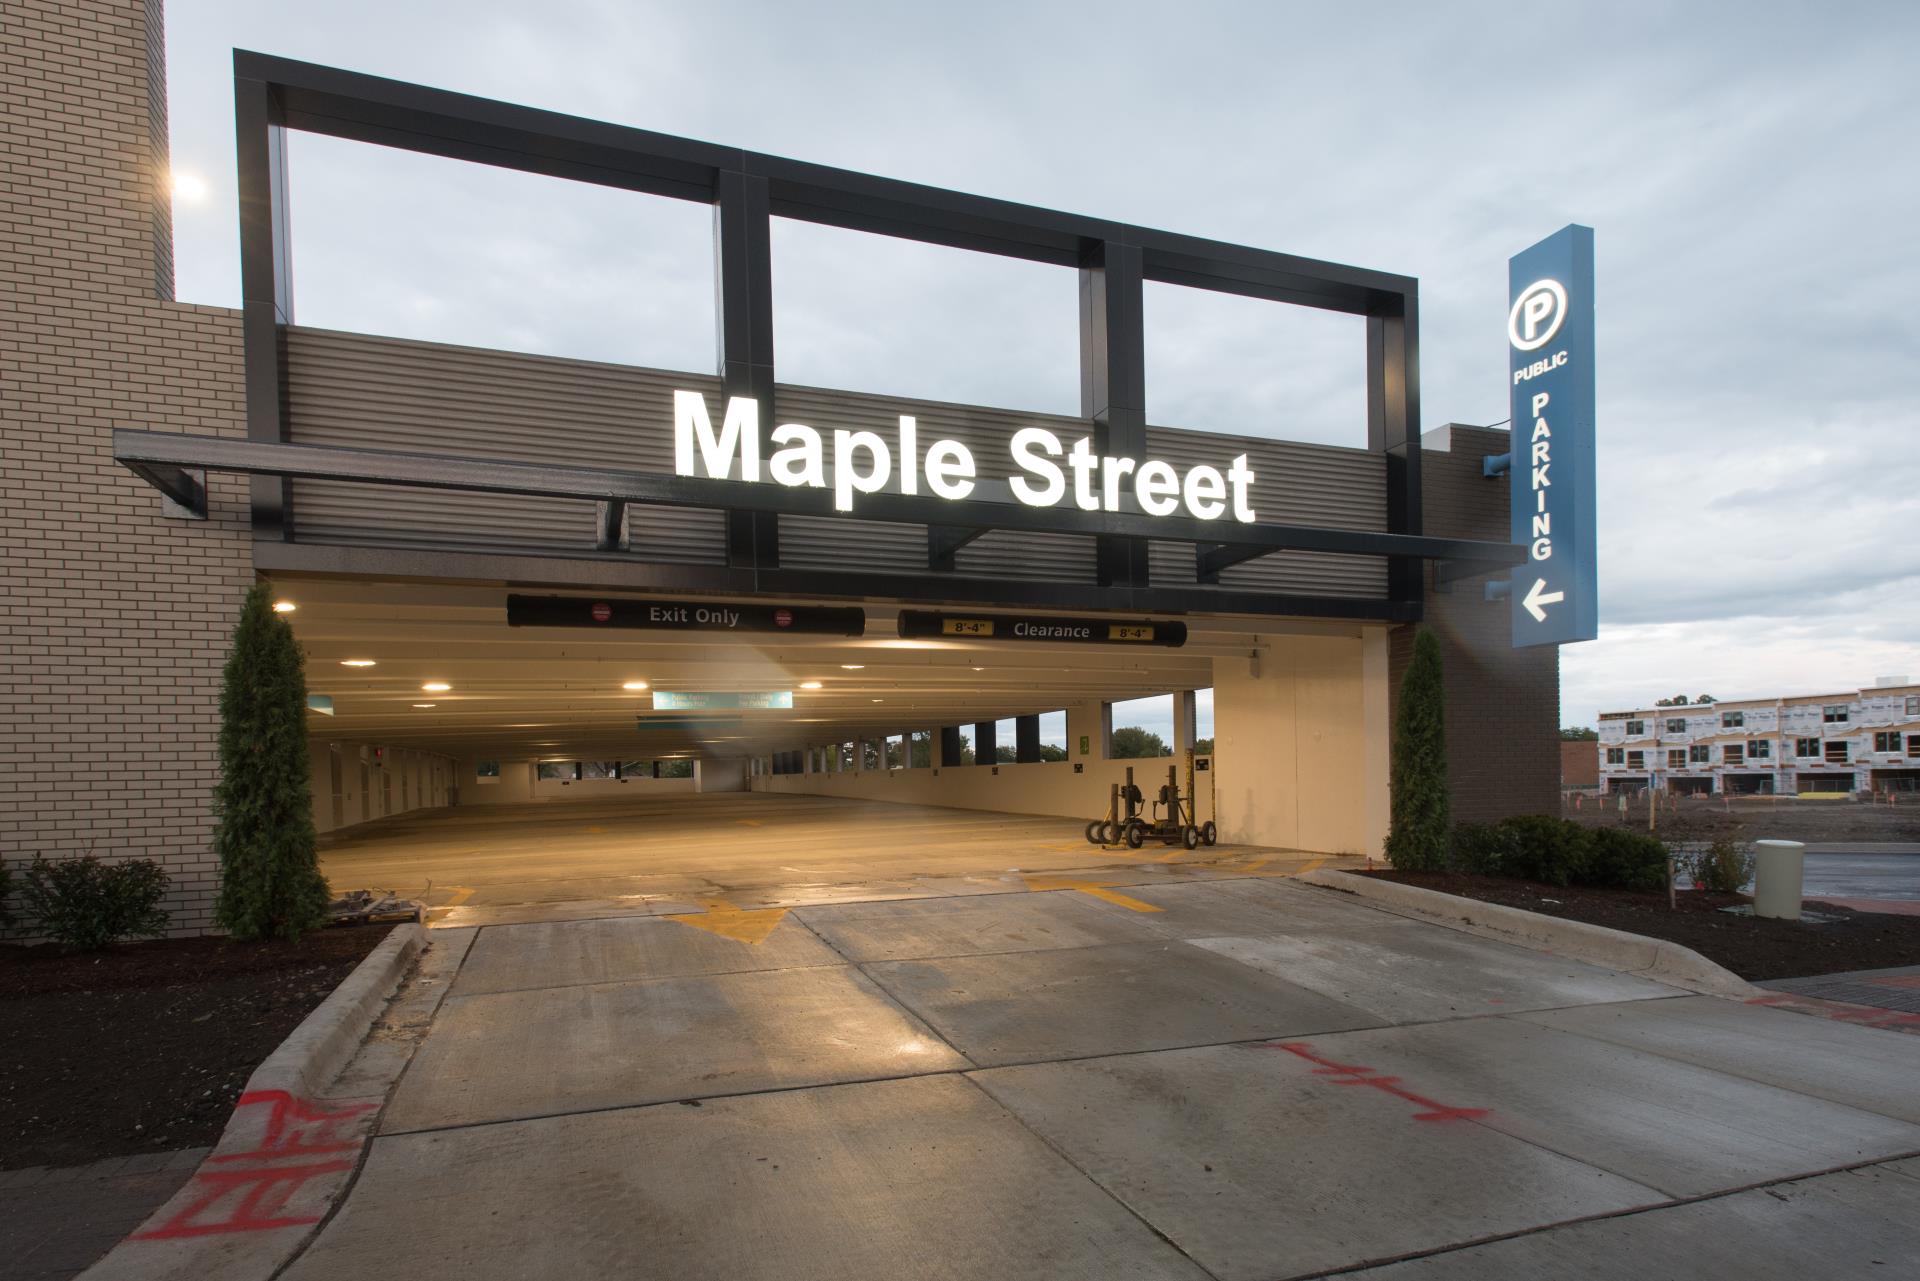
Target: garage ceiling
(519,693)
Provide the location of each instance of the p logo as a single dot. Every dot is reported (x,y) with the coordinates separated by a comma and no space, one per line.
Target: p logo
(1537,315)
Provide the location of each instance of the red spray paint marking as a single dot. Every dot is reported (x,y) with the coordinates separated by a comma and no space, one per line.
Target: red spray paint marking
(1353,1074)
(256,1209)
(253,1199)
(296,1127)
(1866,1016)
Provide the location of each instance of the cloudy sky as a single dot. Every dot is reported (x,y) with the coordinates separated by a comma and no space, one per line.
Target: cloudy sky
(1748,169)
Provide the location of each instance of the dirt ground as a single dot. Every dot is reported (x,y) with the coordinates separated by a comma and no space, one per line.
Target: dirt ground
(1754,948)
(144,1047)
(1705,818)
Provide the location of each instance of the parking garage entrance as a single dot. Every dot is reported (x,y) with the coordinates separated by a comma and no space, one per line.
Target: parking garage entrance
(473,745)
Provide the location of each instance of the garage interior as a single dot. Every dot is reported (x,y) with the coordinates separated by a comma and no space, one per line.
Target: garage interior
(464,761)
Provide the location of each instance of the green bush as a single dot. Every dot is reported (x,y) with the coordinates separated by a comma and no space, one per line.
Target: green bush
(1722,868)
(1534,847)
(1628,860)
(88,904)
(270,882)
(1484,849)
(1418,826)
(1552,850)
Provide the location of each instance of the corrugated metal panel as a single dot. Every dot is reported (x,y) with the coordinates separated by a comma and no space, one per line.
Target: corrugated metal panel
(361,390)
(836,544)
(1295,483)
(390,393)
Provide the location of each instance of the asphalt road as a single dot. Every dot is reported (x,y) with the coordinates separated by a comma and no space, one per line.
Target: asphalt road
(1890,876)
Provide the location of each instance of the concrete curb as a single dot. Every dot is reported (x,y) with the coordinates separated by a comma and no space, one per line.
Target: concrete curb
(309,1059)
(1635,954)
(286,1154)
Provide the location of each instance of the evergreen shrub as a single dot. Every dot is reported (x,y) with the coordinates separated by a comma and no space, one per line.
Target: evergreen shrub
(270,882)
(88,904)
(1418,834)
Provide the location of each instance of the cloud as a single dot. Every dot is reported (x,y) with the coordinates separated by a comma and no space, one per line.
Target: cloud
(1745,172)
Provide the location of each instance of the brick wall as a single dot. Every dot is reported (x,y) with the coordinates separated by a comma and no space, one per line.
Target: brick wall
(113,619)
(1503,704)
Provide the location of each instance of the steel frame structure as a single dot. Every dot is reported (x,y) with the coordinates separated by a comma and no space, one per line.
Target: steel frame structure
(746,190)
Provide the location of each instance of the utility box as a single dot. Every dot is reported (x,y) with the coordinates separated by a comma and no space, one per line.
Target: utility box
(1779,870)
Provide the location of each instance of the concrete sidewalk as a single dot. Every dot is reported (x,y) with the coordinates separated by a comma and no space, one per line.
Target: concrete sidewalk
(1123,1077)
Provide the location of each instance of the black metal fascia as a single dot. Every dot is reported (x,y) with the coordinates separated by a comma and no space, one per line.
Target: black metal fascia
(624,573)
(353,105)
(144,451)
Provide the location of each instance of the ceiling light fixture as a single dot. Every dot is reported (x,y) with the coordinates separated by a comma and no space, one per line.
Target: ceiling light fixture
(436,687)
(852,667)
(633,685)
(879,700)
(810,685)
(426,704)
(284,607)
(356,662)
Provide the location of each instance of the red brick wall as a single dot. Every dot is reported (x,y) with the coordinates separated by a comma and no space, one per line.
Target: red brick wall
(1503,704)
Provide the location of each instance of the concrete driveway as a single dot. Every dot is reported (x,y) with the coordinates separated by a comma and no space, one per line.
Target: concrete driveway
(1141,1077)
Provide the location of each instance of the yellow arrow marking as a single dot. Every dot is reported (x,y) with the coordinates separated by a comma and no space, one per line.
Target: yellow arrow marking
(741,924)
(1094,888)
(457,895)
(596,831)
(1311,864)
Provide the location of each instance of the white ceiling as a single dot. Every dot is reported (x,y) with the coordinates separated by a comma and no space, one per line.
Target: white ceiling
(519,693)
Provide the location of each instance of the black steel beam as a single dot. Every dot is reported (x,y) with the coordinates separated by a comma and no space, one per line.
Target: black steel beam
(943,541)
(266,285)
(743,280)
(1113,381)
(609,522)
(143,449)
(1393,429)
(1210,558)
(181,486)
(345,104)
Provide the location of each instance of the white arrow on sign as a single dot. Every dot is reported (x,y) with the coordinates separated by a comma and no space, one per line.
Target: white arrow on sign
(1537,599)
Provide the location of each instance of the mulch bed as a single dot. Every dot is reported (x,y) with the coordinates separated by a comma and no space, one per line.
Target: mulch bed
(1755,948)
(145,1047)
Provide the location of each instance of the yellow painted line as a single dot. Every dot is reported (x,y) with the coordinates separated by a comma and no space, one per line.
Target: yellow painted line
(741,924)
(749,822)
(1096,889)
(596,831)
(457,896)
(1311,864)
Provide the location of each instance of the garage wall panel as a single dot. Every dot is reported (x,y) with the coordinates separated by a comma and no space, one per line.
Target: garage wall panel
(372,392)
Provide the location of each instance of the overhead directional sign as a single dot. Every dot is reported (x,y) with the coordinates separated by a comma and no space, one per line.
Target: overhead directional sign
(919,624)
(683,615)
(1550,342)
(682,701)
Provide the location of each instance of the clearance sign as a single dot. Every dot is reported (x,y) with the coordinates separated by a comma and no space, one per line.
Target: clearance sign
(1555,594)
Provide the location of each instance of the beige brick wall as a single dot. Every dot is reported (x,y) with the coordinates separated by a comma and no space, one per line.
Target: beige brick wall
(113,619)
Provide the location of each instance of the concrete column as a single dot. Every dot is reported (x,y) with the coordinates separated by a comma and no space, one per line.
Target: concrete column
(1299,745)
(697,780)
(1376,691)
(946,751)
(1087,721)
(1184,711)
(1026,739)
(985,749)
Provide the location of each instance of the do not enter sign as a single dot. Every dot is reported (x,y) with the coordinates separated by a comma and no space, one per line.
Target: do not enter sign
(602,611)
(783,618)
